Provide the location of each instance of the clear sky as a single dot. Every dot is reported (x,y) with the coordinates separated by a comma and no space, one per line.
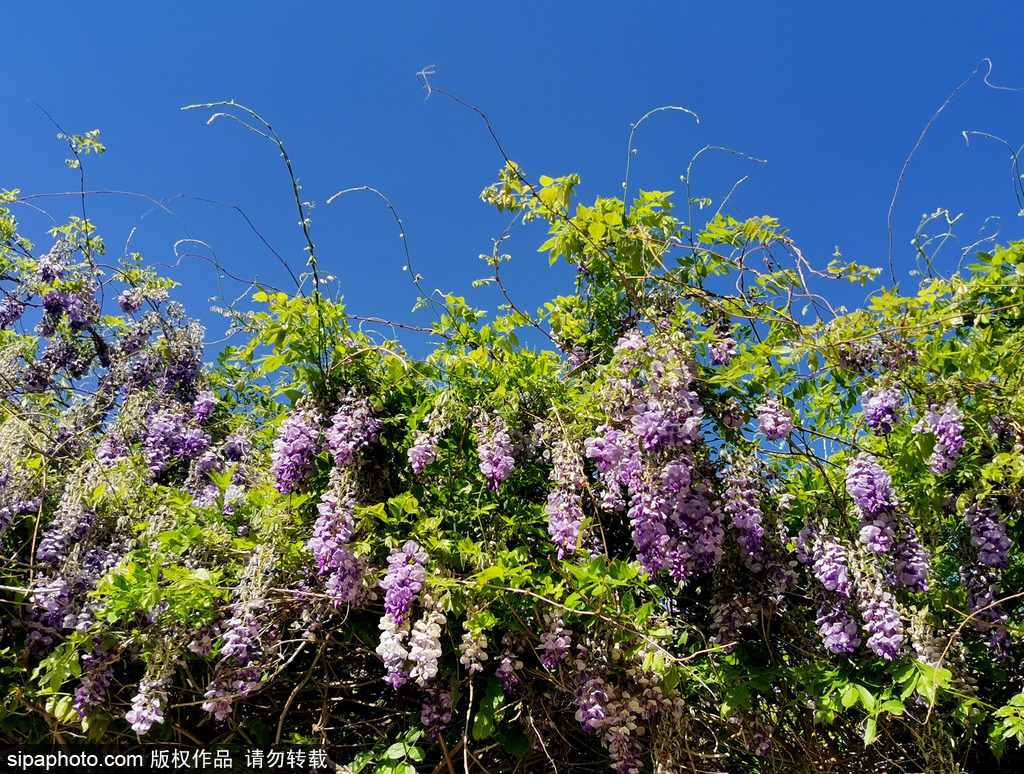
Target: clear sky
(833,95)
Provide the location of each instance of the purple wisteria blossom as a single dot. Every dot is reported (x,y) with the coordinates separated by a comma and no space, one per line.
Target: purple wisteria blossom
(473,651)
(353,428)
(871,488)
(219,700)
(988,535)
(148,704)
(236,447)
(330,545)
(591,700)
(722,350)
(51,265)
(97,671)
(555,643)
(742,502)
(883,409)
(202,408)
(987,613)
(112,448)
(11,311)
(242,655)
(494,448)
(837,625)
(948,428)
(731,613)
(392,650)
(508,665)
(830,566)
(422,452)
(293,459)
(981,574)
(72,523)
(130,300)
(402,584)
(882,621)
(565,503)
(910,561)
(168,437)
(404,579)
(776,421)
(833,603)
(436,711)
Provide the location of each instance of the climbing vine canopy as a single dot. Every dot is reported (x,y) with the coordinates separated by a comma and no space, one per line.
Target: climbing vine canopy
(687,516)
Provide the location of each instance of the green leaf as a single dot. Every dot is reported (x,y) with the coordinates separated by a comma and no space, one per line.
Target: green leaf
(870,730)
(398,751)
(514,740)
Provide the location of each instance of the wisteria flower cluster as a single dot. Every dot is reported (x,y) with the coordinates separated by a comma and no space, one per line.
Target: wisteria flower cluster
(330,544)
(776,420)
(565,502)
(423,452)
(494,448)
(981,573)
(882,621)
(834,601)
(731,613)
(648,451)
(555,644)
(883,409)
(871,488)
(988,535)
(402,584)
(722,348)
(436,711)
(171,435)
(293,459)
(148,704)
(97,672)
(353,428)
(947,426)
(910,562)
(742,503)
(473,650)
(425,646)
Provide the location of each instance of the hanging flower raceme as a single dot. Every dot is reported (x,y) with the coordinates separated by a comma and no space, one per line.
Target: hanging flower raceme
(331,542)
(882,621)
(948,428)
(883,409)
(436,710)
(402,584)
(425,646)
(910,561)
(871,488)
(981,574)
(743,504)
(169,437)
(473,650)
(494,448)
(722,348)
(422,452)
(988,535)
(555,643)
(293,459)
(565,504)
(353,428)
(833,603)
(148,704)
(775,420)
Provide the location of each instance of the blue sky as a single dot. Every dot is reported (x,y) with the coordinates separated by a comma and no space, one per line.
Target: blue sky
(833,95)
